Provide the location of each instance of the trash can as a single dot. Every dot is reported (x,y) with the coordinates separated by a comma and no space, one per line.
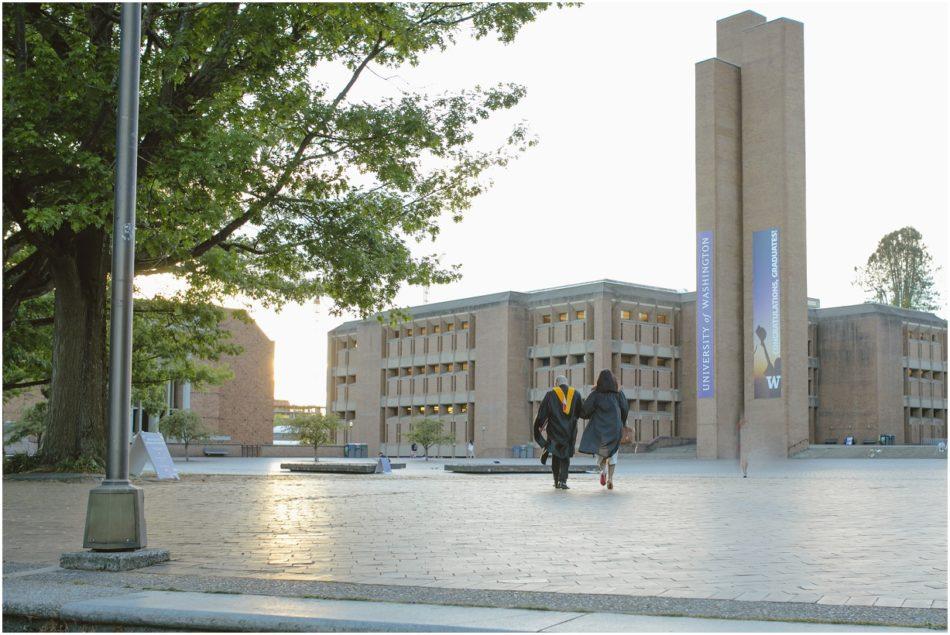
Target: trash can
(346,450)
(516,451)
(364,450)
(528,451)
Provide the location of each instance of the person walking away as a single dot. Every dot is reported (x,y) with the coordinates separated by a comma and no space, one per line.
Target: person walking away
(557,418)
(412,451)
(607,409)
(470,450)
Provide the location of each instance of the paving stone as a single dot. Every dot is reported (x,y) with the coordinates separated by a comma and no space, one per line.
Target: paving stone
(688,528)
(917,604)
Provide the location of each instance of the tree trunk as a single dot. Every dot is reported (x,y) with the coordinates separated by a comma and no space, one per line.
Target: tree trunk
(77,401)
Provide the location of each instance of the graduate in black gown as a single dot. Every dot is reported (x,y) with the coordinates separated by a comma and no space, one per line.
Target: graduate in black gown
(557,417)
(606,407)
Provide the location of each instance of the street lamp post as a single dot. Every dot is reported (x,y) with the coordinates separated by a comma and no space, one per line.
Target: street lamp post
(115,516)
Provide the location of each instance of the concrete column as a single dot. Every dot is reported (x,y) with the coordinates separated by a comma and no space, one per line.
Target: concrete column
(729,35)
(502,410)
(366,392)
(718,336)
(603,334)
(773,196)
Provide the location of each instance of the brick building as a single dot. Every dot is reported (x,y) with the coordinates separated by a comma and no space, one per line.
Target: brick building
(240,411)
(482,365)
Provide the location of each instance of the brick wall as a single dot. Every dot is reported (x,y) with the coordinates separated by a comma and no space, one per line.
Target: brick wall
(243,407)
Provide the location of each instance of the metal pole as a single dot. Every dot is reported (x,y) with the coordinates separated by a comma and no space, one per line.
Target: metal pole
(115,516)
(123,244)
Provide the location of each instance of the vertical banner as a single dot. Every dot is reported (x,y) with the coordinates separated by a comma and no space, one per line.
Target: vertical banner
(705,320)
(766,315)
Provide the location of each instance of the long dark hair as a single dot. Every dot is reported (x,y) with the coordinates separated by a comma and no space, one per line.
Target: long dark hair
(606,382)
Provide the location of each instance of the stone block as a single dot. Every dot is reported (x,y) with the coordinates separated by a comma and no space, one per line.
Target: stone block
(113,560)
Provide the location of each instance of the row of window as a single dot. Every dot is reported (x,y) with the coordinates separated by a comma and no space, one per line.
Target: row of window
(625,314)
(430,369)
(420,411)
(435,328)
(562,317)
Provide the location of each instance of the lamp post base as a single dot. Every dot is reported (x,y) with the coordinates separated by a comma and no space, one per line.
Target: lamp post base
(113,560)
(115,517)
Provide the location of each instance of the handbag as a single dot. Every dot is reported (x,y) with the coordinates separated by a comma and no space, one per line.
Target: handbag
(626,436)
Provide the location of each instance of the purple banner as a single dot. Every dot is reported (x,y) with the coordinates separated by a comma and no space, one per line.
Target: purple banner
(766,315)
(705,321)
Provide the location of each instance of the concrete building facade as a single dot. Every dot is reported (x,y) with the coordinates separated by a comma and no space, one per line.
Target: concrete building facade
(746,348)
(481,365)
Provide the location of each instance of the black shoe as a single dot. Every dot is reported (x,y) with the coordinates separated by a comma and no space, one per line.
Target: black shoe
(544,456)
(563,486)
(557,485)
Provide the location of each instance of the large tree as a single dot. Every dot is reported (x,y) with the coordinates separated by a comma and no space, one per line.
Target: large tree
(255,177)
(900,272)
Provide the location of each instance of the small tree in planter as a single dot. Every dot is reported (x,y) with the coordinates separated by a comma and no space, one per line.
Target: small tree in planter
(315,430)
(186,426)
(428,432)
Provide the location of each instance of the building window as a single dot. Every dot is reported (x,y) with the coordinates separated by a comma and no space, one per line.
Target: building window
(450,410)
(624,314)
(436,329)
(581,315)
(463,366)
(449,327)
(562,317)
(465,324)
(463,407)
(643,317)
(545,319)
(421,409)
(435,409)
(410,370)
(422,330)
(449,368)
(408,332)
(661,319)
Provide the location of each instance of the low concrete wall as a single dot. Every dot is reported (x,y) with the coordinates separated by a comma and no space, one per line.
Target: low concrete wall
(872,452)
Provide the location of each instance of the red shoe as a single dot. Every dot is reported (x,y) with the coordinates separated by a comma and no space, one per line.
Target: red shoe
(603,478)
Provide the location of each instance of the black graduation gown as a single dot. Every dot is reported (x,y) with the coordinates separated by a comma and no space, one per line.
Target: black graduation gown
(607,412)
(561,427)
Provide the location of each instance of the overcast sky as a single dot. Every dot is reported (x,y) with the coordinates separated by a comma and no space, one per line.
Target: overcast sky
(611,98)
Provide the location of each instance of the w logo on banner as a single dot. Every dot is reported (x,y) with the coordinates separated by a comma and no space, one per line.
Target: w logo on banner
(773,381)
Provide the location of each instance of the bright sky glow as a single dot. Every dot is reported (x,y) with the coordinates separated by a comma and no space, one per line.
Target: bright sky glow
(611,97)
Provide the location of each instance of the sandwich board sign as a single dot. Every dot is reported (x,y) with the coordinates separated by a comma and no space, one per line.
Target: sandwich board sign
(149,447)
(383,466)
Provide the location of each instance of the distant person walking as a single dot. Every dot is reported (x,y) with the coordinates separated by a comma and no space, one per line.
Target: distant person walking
(607,409)
(470,450)
(412,451)
(557,418)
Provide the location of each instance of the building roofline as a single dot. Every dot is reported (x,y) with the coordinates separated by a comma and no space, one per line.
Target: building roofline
(886,309)
(510,297)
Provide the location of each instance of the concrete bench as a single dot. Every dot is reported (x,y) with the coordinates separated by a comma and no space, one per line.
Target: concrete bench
(214,452)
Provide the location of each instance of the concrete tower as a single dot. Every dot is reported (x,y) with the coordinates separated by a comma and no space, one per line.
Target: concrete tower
(751,311)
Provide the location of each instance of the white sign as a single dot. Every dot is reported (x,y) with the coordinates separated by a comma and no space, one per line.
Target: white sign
(383,466)
(149,447)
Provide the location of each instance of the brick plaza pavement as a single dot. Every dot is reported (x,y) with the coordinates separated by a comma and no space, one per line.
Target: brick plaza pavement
(828,531)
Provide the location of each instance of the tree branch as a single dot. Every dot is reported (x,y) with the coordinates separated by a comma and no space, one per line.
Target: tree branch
(26,384)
